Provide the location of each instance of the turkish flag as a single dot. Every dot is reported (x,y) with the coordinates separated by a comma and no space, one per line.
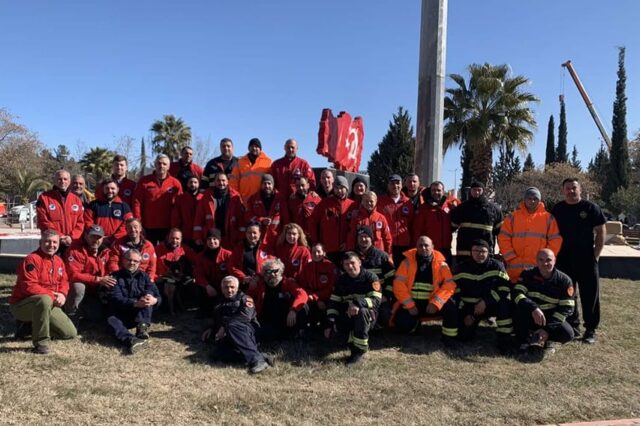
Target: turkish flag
(340,140)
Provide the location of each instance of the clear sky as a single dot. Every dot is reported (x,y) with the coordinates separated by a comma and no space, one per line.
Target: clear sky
(80,72)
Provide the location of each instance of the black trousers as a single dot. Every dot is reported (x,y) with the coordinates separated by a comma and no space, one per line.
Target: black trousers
(405,322)
(585,276)
(275,327)
(357,327)
(238,345)
(524,326)
(500,310)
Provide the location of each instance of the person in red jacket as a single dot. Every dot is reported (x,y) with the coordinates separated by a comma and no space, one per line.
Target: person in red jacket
(288,169)
(433,219)
(220,208)
(302,203)
(154,199)
(268,208)
(413,190)
(185,168)
(61,210)
(327,179)
(211,266)
(134,239)
(279,302)
(397,208)
(175,271)
(248,256)
(126,186)
(86,263)
(292,249)
(329,223)
(110,212)
(369,216)
(40,292)
(317,278)
(184,211)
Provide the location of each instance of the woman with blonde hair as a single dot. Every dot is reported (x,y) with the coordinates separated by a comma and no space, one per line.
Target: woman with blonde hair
(292,249)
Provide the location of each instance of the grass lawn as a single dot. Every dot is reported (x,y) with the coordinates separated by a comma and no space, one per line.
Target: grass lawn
(404,380)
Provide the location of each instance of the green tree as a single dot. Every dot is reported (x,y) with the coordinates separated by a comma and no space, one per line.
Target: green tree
(465,164)
(619,155)
(143,159)
(529,164)
(598,167)
(492,109)
(575,162)
(507,167)
(97,162)
(26,185)
(562,155)
(395,152)
(550,154)
(171,134)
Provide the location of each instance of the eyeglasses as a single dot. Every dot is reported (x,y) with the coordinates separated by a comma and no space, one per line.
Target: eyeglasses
(271,271)
(132,260)
(480,251)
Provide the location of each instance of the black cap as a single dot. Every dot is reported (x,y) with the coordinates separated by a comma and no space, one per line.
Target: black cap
(215,233)
(476,184)
(256,142)
(95,230)
(480,243)
(364,229)
(394,177)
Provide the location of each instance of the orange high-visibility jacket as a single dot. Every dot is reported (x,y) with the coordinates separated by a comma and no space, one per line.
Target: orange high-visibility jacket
(443,285)
(523,234)
(246,177)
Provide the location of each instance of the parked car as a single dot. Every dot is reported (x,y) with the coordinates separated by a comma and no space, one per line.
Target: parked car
(20,214)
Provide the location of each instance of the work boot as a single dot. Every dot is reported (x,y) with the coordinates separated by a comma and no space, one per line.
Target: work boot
(142,331)
(259,367)
(355,357)
(40,350)
(268,358)
(589,337)
(135,345)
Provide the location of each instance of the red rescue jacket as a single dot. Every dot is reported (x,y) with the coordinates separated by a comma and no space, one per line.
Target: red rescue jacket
(65,216)
(329,224)
(206,218)
(277,216)
(40,274)
(153,201)
(210,271)
(399,216)
(300,209)
(288,285)
(122,245)
(378,224)
(434,221)
(286,170)
(318,279)
(84,266)
(293,257)
(184,213)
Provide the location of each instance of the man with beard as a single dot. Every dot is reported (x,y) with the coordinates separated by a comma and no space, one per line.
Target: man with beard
(302,203)
(397,208)
(329,223)
(279,302)
(126,186)
(154,199)
(246,176)
(131,303)
(184,211)
(424,288)
(211,265)
(109,212)
(378,262)
(288,169)
(248,257)
(327,179)
(413,190)
(484,291)
(476,218)
(220,208)
(368,215)
(224,163)
(79,187)
(185,168)
(269,209)
(61,210)
(133,240)
(353,306)
(175,270)
(433,219)
(86,263)
(235,326)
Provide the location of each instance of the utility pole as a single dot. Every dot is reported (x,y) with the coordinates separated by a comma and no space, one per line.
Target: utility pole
(431,76)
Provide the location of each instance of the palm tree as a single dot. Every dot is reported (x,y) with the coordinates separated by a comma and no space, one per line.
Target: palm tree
(25,185)
(97,162)
(171,135)
(491,110)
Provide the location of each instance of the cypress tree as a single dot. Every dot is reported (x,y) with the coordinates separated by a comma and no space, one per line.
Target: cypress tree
(395,152)
(575,162)
(143,159)
(619,156)
(561,152)
(528,163)
(550,155)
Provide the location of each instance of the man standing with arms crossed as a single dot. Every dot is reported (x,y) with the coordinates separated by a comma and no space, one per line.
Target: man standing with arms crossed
(581,224)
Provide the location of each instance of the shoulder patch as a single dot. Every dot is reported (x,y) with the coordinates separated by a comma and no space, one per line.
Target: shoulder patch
(249,302)
(30,267)
(570,291)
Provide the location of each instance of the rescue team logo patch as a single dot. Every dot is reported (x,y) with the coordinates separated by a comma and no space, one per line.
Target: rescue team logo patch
(170,190)
(127,192)
(52,206)
(117,213)
(249,302)
(446,209)
(405,210)
(223,266)
(31,267)
(570,291)
(208,217)
(263,254)
(75,207)
(583,215)
(60,271)
(295,262)
(145,256)
(297,173)
(376,285)
(323,279)
(379,224)
(70,259)
(312,205)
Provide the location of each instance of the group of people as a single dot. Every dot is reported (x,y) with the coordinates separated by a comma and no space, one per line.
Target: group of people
(267,253)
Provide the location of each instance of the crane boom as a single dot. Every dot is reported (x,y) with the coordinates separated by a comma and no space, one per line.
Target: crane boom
(588,102)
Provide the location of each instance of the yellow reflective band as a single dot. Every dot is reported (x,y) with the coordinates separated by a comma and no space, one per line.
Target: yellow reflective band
(463,253)
(401,278)
(521,288)
(504,322)
(390,273)
(495,296)
(567,302)
(519,298)
(477,226)
(481,277)
(504,288)
(369,302)
(420,296)
(498,225)
(473,300)
(559,316)
(544,297)
(406,301)
(335,298)
(505,330)
(547,306)
(332,312)
(389,288)
(529,234)
(450,332)
(376,271)
(438,299)
(422,286)
(375,294)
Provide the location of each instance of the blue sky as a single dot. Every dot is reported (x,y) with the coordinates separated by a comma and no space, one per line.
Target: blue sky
(87,73)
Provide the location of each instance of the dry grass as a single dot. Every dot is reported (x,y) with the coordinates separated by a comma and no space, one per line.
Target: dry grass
(404,380)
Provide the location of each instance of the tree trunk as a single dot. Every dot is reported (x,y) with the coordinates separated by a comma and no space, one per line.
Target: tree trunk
(482,163)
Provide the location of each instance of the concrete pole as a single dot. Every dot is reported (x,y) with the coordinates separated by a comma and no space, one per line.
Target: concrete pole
(433,42)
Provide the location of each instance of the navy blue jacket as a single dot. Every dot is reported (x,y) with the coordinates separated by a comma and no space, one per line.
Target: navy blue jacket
(130,287)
